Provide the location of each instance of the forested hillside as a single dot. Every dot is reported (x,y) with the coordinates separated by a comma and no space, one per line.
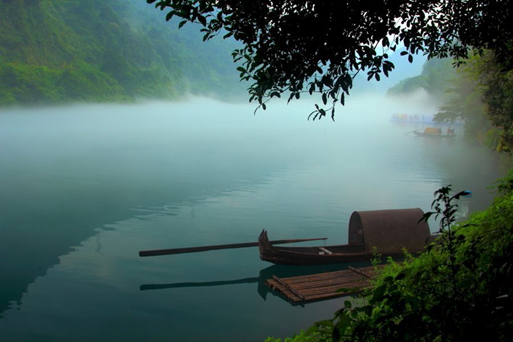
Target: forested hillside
(73,50)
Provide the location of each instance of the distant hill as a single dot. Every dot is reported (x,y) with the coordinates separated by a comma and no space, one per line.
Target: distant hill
(56,51)
(435,79)
(60,51)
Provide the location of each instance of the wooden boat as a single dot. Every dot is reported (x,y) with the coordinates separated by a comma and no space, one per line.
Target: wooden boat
(388,232)
(433,132)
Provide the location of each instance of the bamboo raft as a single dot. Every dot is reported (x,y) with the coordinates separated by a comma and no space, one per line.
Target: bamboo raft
(322,286)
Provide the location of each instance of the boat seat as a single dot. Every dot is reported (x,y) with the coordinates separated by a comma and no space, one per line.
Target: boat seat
(324,250)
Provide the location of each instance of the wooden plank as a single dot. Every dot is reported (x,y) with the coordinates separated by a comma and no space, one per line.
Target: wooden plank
(320,276)
(327,275)
(334,288)
(330,296)
(361,272)
(274,285)
(320,282)
(339,283)
(341,276)
(323,285)
(312,281)
(291,289)
(315,295)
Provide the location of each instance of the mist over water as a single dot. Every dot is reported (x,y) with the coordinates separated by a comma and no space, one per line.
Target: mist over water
(83,188)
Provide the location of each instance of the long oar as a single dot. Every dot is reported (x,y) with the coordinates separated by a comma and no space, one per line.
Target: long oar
(216,247)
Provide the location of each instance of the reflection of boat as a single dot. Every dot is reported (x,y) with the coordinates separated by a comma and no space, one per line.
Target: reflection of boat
(434,132)
(386,232)
(264,275)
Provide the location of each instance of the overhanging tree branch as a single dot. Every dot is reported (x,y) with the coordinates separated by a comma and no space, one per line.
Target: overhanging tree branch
(318,45)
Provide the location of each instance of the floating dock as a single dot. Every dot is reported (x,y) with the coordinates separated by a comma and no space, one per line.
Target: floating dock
(323,285)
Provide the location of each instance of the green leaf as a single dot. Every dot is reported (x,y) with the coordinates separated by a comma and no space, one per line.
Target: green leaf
(400,276)
(202,20)
(378,293)
(343,323)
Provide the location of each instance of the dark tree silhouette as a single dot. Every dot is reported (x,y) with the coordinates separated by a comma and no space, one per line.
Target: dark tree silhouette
(297,46)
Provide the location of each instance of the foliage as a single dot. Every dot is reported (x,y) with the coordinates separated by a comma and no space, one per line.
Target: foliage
(498,95)
(466,102)
(63,51)
(460,289)
(319,46)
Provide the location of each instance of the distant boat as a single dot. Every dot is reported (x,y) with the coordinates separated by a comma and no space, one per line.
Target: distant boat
(422,119)
(434,132)
(412,118)
(387,232)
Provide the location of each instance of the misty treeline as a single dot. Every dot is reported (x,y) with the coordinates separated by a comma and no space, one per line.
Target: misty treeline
(482,95)
(479,92)
(67,51)
(92,51)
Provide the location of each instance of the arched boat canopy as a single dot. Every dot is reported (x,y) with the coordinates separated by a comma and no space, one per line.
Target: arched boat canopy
(389,230)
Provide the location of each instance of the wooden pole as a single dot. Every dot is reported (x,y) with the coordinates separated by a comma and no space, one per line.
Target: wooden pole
(216,247)
(412,131)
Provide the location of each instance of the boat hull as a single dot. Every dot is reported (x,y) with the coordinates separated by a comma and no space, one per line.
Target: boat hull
(319,255)
(282,257)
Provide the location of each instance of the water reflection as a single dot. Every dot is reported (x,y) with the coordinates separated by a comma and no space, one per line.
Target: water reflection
(84,188)
(263,290)
(67,172)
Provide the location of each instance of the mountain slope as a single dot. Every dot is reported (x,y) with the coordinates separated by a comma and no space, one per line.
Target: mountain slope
(63,51)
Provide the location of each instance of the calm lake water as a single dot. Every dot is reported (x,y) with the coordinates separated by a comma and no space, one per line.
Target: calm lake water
(84,188)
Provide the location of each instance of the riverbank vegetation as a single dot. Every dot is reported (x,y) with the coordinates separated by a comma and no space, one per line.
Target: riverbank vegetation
(460,289)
